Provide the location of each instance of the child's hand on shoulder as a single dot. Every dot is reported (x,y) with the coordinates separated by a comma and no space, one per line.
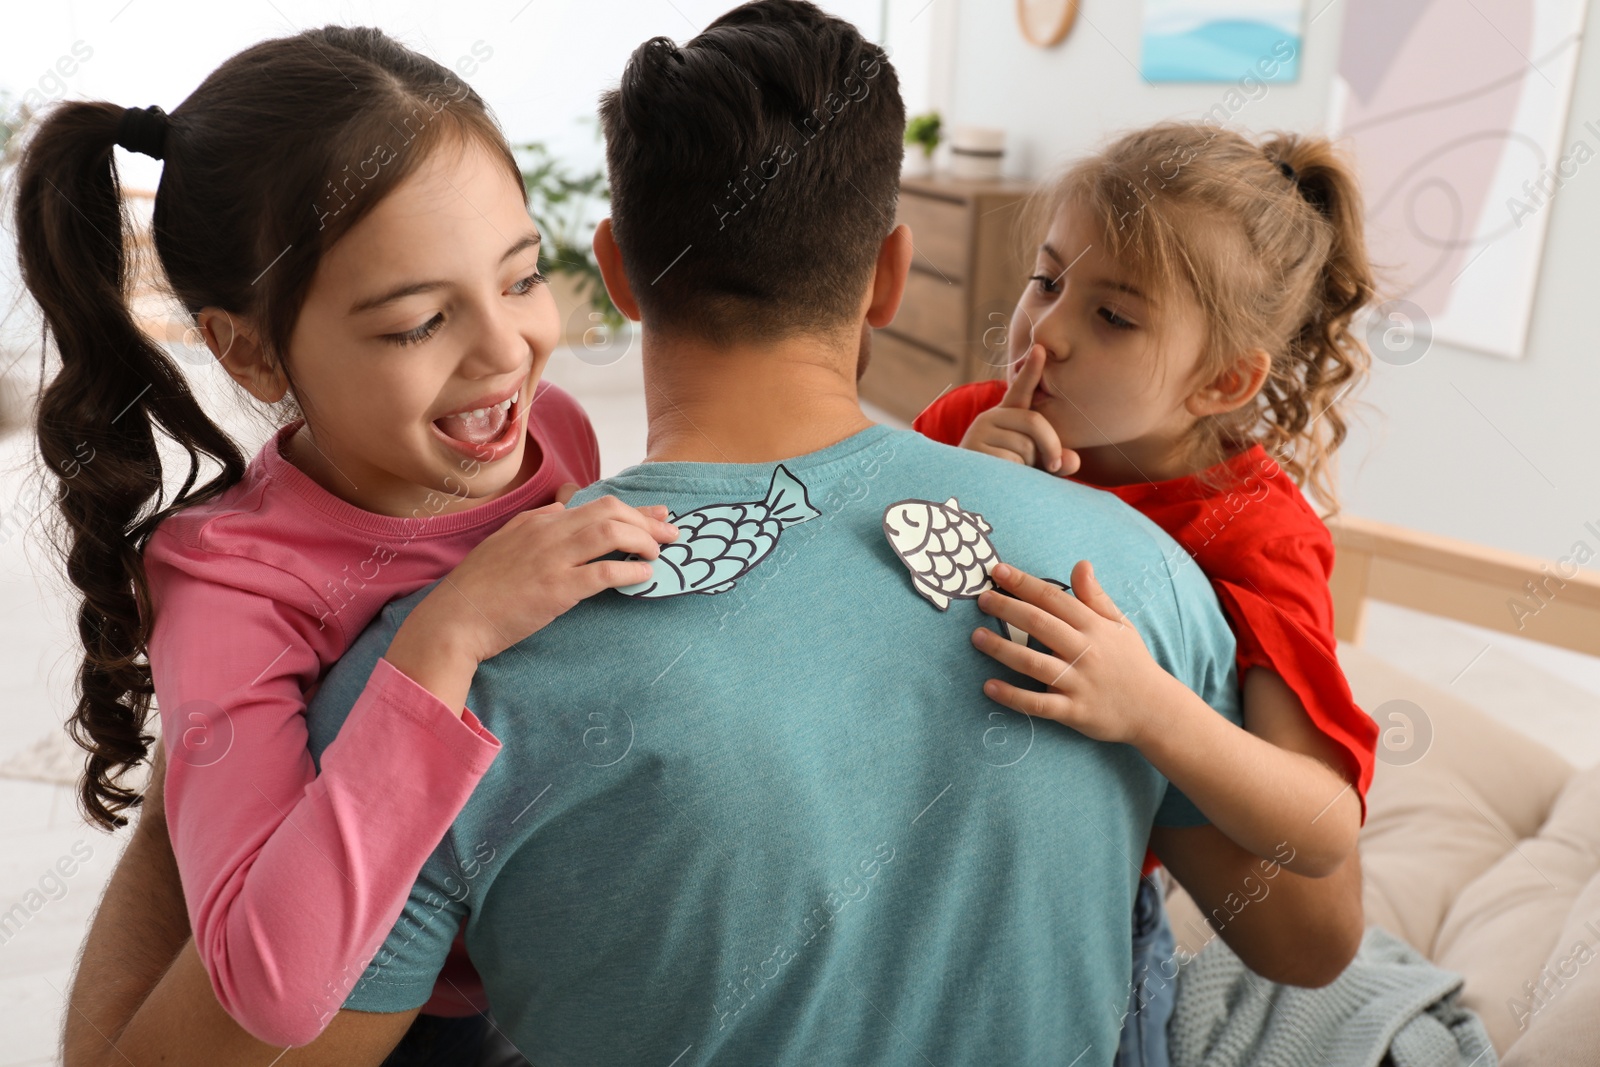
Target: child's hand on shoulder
(542,562)
(1014,431)
(1100,678)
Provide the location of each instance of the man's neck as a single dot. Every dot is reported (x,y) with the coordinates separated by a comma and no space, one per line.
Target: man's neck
(749,403)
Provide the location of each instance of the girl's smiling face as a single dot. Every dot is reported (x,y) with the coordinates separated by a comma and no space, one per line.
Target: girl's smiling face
(423,334)
(1120,361)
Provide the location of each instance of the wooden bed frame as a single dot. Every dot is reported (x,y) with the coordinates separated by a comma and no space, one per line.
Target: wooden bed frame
(1515,594)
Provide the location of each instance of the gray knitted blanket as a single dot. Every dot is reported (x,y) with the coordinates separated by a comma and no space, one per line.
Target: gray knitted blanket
(1390,1002)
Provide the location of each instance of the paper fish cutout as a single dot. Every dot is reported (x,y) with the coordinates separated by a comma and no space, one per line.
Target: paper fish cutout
(720,543)
(946,549)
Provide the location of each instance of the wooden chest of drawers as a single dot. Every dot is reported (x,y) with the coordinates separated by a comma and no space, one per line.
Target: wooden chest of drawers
(969,268)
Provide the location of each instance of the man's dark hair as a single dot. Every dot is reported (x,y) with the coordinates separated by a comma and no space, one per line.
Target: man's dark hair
(754,172)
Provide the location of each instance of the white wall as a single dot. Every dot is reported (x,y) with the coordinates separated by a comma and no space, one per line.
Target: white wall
(548,62)
(1425,459)
(1522,475)
(551,58)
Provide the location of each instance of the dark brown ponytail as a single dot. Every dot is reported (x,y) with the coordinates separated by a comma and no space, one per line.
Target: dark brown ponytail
(267,164)
(96,423)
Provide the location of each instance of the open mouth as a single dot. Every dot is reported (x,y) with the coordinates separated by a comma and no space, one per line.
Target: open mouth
(486,432)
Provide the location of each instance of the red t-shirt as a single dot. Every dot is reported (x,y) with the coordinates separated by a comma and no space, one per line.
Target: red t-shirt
(1268,557)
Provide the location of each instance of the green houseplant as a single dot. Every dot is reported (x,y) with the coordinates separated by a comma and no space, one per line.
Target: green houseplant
(13,117)
(925,131)
(565,205)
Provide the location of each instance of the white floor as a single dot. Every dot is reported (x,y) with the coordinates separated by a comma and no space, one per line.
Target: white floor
(1560,705)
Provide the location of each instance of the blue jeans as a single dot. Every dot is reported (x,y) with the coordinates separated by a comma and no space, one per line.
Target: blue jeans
(1150,1004)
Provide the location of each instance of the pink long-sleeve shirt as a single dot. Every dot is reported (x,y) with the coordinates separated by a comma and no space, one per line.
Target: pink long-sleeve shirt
(293,879)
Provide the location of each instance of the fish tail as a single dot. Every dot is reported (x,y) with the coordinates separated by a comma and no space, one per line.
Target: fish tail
(787,500)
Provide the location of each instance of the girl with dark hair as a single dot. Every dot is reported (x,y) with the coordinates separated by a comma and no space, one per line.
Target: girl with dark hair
(345,222)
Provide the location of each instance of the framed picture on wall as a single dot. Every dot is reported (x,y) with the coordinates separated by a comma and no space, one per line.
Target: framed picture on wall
(1221,40)
(1458,128)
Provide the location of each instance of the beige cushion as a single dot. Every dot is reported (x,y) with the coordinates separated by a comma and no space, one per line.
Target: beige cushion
(1460,861)
(1532,918)
(1564,1025)
(1437,823)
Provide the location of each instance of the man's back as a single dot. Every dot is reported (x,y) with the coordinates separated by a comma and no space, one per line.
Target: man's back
(781,823)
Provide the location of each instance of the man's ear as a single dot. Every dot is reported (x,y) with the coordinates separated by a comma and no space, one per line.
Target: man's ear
(889,277)
(1236,386)
(609,258)
(237,346)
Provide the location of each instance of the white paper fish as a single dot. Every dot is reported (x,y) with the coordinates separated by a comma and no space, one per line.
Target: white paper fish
(946,549)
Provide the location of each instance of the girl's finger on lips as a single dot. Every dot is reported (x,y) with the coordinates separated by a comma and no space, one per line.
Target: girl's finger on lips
(1019,394)
(1020,658)
(1027,701)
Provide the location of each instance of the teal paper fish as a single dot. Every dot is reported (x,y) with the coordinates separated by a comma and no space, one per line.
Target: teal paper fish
(720,543)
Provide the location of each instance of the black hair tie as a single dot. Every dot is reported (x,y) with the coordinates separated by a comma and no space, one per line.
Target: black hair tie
(1309,195)
(143,130)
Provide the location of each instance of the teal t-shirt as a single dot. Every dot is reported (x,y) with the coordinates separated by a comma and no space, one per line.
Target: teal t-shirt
(781,823)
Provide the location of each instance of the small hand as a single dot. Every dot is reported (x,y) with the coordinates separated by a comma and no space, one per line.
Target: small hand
(536,567)
(539,565)
(1100,678)
(1013,431)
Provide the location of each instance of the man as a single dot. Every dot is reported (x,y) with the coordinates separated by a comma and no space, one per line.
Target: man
(761,810)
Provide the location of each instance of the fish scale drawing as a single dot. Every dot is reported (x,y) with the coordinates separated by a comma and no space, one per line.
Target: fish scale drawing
(946,549)
(720,543)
